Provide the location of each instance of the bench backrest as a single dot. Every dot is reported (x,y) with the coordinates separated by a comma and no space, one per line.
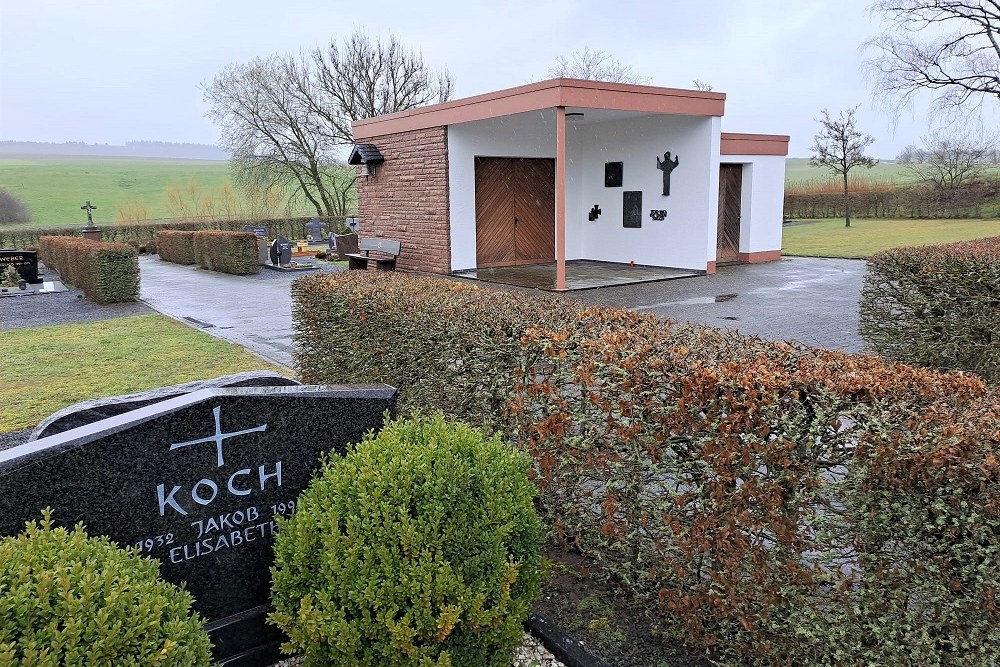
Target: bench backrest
(388,246)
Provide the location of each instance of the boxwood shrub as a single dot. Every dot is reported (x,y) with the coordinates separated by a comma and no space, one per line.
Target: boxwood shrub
(105,272)
(773,504)
(936,306)
(176,246)
(69,599)
(227,252)
(417,548)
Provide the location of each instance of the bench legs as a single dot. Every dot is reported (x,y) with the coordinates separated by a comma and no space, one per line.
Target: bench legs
(357,263)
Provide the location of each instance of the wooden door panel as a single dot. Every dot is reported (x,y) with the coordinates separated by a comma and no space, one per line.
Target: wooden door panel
(534,209)
(494,212)
(730,198)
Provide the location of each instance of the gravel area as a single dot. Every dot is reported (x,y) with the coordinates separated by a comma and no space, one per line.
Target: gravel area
(530,653)
(14,438)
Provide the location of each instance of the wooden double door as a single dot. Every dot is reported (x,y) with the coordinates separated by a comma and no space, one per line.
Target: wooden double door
(515,211)
(730,213)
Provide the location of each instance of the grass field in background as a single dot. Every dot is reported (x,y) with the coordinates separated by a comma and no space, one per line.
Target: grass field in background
(865,236)
(55,188)
(797,170)
(57,366)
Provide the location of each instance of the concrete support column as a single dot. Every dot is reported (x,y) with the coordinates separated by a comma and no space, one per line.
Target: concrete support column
(560,199)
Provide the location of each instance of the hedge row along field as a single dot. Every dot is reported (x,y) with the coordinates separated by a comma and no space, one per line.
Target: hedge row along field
(226,252)
(936,306)
(292,228)
(771,504)
(106,272)
(175,246)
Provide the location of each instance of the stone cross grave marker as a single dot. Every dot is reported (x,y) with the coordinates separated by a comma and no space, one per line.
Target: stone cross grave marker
(315,228)
(88,207)
(196,481)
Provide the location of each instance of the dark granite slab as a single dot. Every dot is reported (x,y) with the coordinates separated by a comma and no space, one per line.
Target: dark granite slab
(88,412)
(196,481)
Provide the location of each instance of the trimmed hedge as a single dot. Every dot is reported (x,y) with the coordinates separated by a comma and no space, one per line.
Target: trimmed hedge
(175,246)
(227,252)
(105,272)
(417,548)
(292,228)
(70,599)
(936,306)
(772,504)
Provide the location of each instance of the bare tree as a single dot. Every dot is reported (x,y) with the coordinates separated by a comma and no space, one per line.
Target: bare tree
(953,161)
(948,47)
(286,119)
(840,147)
(594,65)
(701,85)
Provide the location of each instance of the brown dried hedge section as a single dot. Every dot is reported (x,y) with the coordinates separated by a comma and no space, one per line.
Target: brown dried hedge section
(106,272)
(176,246)
(227,252)
(936,306)
(773,504)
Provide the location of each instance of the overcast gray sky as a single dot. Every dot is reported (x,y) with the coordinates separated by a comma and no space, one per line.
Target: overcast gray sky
(108,71)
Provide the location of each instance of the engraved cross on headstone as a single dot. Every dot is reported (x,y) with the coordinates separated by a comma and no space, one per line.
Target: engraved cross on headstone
(219,436)
(88,207)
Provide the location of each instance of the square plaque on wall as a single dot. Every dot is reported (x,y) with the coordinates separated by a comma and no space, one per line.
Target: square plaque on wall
(632,208)
(612,174)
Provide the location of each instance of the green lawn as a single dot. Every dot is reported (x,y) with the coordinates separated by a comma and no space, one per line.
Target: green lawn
(797,170)
(52,367)
(829,238)
(55,187)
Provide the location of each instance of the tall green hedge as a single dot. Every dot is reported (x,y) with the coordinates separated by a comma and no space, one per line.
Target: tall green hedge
(141,233)
(176,246)
(773,504)
(226,252)
(936,306)
(106,272)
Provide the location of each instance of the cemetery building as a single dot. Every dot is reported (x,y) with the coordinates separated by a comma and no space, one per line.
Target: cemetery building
(568,170)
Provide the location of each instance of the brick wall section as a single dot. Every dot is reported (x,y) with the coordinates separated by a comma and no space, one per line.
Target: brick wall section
(407,200)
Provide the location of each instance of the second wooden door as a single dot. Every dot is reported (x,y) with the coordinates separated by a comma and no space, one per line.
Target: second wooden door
(515,211)
(730,202)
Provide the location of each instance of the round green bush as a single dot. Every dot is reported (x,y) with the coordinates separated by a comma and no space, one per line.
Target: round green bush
(417,548)
(69,600)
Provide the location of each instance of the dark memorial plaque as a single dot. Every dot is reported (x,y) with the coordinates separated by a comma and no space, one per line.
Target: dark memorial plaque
(281,251)
(196,481)
(632,208)
(613,174)
(259,232)
(25,261)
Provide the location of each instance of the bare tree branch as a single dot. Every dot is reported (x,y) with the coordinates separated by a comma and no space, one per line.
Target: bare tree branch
(285,119)
(947,47)
(594,65)
(949,162)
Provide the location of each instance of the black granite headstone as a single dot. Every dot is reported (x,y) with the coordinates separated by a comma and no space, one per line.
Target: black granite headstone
(632,208)
(25,261)
(281,251)
(315,229)
(196,481)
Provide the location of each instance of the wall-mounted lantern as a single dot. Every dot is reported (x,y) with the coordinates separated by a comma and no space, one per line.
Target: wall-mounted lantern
(368,157)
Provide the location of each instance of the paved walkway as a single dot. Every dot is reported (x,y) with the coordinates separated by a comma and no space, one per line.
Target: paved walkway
(253,311)
(811,300)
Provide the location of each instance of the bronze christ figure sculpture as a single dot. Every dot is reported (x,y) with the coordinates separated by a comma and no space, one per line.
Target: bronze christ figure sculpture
(666,166)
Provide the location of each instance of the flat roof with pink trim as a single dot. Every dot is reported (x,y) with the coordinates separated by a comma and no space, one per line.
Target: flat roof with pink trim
(754,144)
(546,95)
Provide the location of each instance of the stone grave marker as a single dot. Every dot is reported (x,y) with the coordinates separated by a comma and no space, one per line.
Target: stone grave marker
(316,227)
(281,251)
(24,261)
(259,232)
(196,481)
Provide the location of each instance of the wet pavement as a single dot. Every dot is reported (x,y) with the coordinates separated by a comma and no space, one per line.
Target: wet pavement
(580,274)
(808,299)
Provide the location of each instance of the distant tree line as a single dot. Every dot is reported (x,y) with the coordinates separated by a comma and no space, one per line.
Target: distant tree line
(153,149)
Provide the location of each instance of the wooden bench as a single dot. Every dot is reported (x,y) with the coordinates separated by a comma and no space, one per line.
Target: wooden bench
(386,260)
